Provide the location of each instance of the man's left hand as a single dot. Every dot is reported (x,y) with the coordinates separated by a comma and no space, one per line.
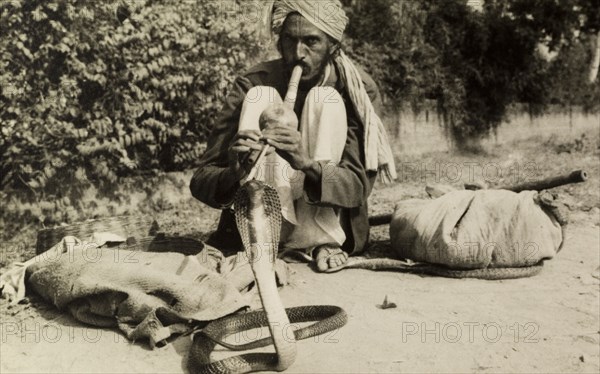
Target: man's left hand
(288,144)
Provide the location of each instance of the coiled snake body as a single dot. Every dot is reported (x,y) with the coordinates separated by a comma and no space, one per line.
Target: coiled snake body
(258,217)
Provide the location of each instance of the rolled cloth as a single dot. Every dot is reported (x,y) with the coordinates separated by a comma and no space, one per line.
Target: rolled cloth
(330,17)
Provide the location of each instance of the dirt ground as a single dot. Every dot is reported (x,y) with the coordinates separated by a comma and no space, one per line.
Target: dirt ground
(545,324)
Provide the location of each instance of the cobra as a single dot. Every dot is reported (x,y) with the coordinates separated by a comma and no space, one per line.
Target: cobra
(258,219)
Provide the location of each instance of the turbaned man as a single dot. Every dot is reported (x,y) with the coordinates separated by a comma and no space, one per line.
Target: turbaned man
(324,169)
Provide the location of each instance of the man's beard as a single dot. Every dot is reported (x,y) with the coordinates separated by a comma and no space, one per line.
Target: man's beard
(317,77)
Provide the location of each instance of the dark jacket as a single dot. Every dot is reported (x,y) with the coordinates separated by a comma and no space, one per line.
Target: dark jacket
(346,186)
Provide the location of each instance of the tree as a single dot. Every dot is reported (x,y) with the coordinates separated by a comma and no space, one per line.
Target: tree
(473,63)
(571,28)
(559,23)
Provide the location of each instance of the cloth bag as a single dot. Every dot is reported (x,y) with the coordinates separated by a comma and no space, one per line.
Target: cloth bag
(476,229)
(147,295)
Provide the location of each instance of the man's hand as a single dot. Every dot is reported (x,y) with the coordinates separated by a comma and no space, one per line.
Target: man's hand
(288,143)
(279,125)
(243,143)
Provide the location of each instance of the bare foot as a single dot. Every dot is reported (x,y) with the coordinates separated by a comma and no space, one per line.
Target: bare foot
(329,257)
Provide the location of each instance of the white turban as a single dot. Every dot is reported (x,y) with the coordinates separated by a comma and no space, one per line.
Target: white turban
(329,17)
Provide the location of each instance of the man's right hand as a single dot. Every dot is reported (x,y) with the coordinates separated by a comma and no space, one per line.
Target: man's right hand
(243,143)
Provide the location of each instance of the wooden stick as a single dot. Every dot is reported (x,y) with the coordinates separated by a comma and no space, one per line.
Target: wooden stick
(576,176)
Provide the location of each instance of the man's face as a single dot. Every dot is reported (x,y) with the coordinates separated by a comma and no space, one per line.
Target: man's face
(302,42)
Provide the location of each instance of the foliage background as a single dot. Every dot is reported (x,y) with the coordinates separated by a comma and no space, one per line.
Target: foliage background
(474,64)
(93,92)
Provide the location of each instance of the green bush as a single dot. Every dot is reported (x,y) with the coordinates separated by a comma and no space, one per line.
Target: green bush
(96,90)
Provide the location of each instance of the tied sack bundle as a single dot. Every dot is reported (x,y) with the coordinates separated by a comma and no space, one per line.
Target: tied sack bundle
(476,229)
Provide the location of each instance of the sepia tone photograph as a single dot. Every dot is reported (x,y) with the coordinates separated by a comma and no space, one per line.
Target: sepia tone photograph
(299,186)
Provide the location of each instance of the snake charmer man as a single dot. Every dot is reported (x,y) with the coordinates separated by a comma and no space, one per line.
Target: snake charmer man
(323,170)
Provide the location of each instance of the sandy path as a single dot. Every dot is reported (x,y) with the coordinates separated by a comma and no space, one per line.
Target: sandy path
(549,323)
